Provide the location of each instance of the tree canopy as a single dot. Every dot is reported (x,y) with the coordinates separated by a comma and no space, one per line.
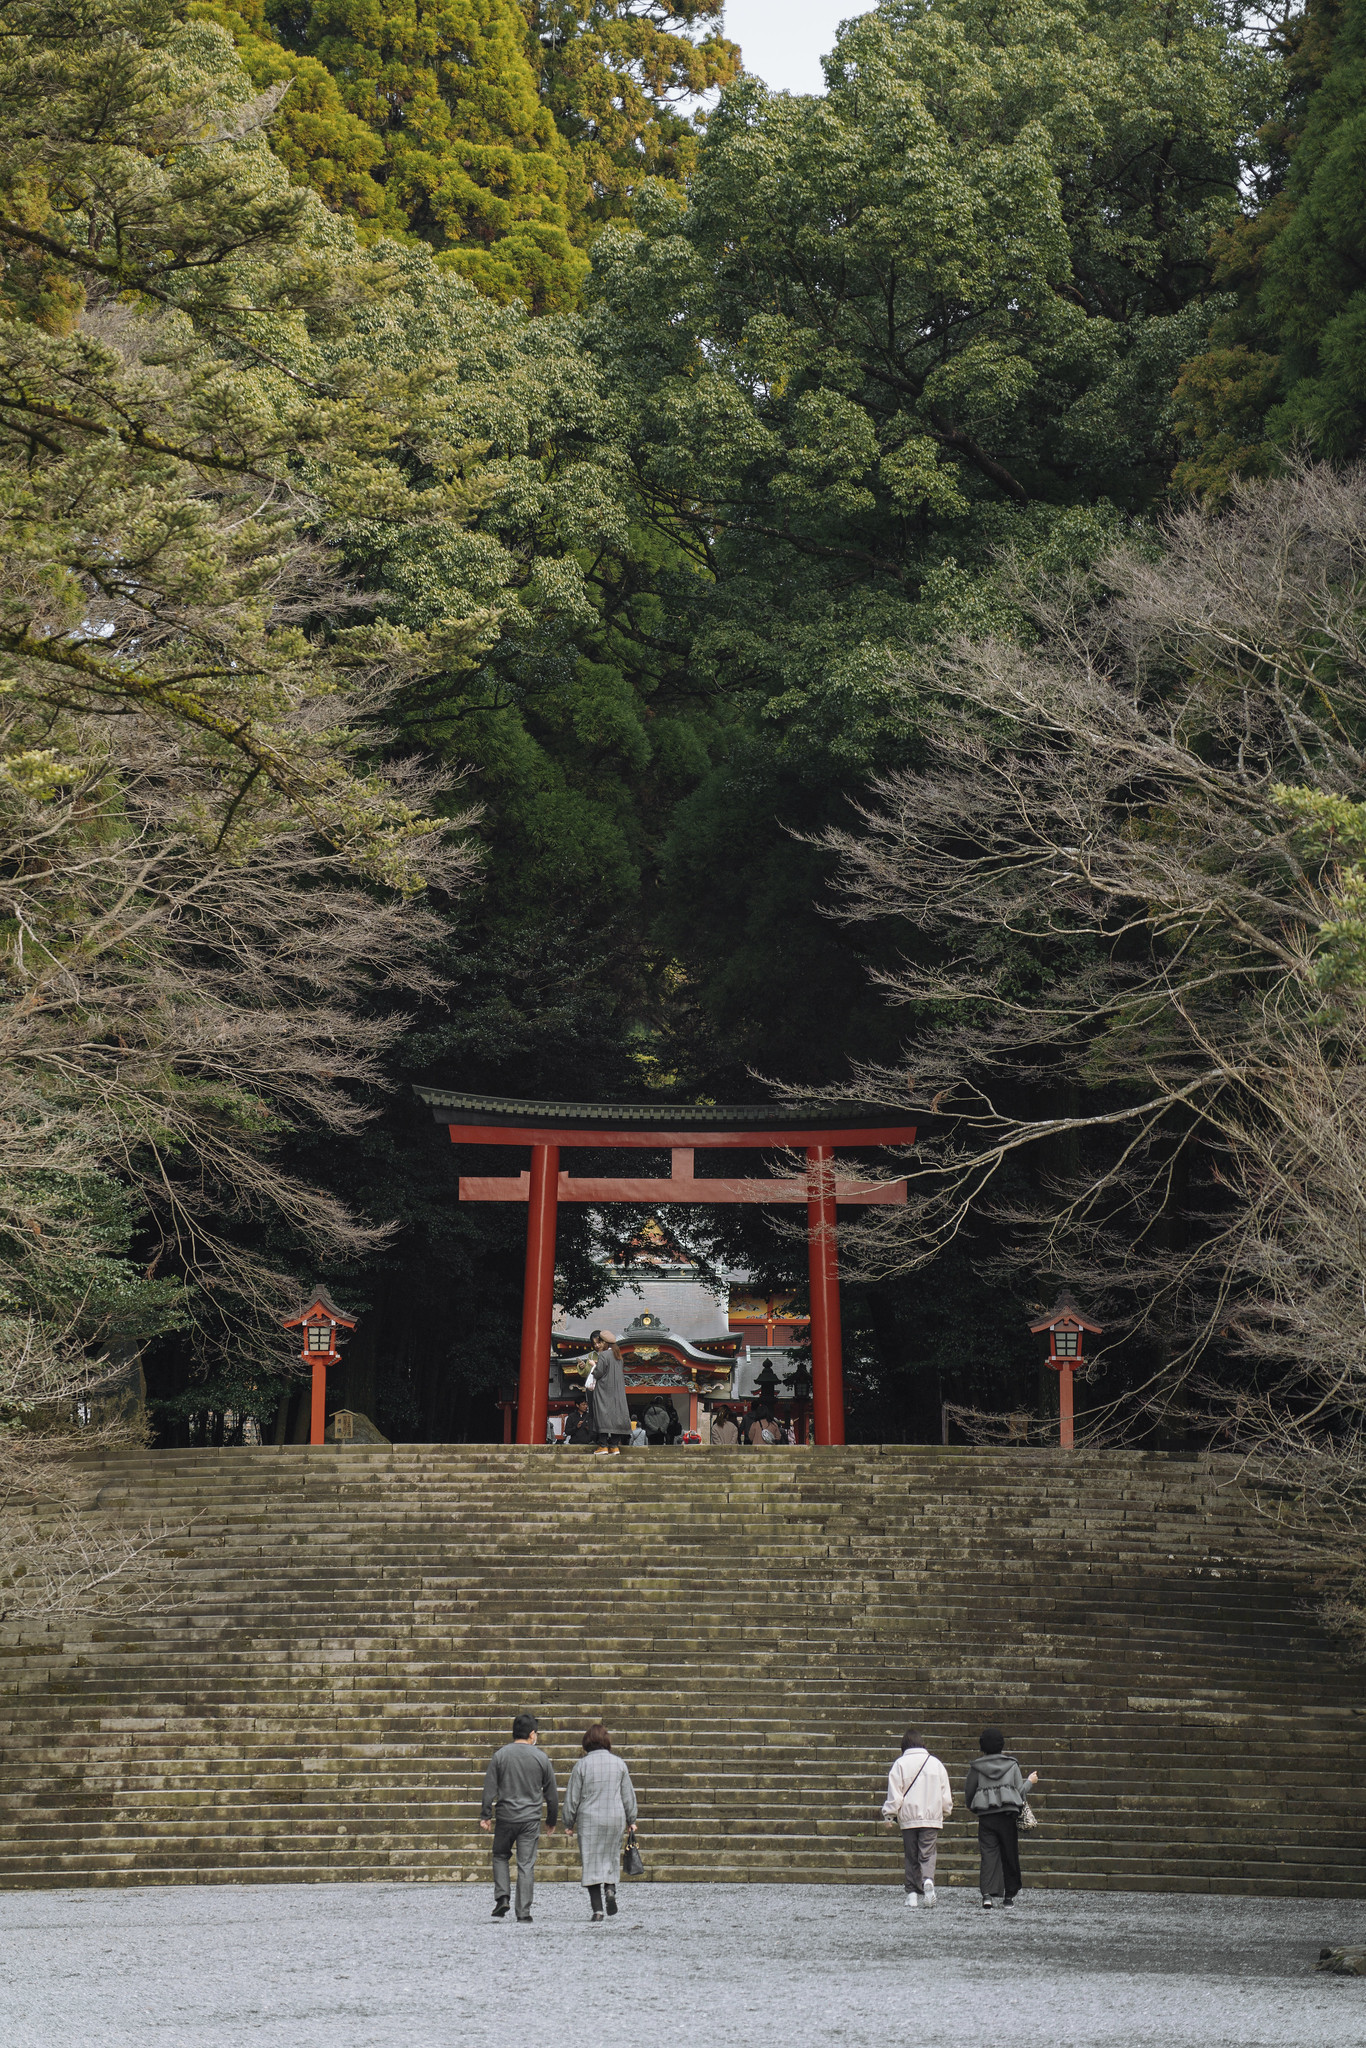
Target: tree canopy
(935,314)
(476,531)
(499,132)
(1285,365)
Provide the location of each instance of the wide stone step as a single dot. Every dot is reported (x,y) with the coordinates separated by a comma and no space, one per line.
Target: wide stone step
(348,1633)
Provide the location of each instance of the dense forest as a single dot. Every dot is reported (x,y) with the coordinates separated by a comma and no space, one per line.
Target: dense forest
(535,563)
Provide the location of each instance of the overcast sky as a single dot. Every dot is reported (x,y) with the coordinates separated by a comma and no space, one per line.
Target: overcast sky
(784,40)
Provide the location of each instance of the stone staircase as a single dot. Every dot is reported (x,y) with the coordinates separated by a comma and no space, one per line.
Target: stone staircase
(350,1631)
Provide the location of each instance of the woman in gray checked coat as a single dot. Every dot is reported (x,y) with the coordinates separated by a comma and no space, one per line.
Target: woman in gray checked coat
(599,1806)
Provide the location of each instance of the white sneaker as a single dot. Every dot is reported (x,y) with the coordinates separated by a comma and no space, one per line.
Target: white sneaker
(911,1899)
(929,1893)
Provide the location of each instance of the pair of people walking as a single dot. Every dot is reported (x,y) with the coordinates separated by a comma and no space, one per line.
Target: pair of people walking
(920,1800)
(600,1806)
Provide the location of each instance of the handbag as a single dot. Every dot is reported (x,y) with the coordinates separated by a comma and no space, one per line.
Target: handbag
(1028,1817)
(632,1862)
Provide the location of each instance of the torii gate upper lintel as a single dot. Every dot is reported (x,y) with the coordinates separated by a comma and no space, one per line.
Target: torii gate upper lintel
(683,1130)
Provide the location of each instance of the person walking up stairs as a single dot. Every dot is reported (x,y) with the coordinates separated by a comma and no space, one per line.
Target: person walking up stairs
(519,1777)
(999,1796)
(919,1801)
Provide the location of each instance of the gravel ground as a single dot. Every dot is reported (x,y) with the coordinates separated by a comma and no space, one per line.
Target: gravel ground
(423,1966)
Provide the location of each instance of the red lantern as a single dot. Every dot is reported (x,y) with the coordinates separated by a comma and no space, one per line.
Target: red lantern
(1066,1327)
(319,1323)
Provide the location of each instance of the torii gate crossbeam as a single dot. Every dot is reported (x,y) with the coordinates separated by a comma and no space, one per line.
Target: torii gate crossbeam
(547,1128)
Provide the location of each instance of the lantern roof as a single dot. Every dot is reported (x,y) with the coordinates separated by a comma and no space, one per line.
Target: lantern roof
(1064,1312)
(318,1304)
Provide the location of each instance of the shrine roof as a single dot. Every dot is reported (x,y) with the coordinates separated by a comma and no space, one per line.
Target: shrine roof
(501,1111)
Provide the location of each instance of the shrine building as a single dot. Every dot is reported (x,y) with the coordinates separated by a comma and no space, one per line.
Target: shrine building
(690,1344)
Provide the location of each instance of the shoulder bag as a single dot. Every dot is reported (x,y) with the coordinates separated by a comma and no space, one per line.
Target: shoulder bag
(910,1788)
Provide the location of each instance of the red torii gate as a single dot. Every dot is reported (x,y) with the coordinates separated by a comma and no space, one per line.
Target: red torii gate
(547,1128)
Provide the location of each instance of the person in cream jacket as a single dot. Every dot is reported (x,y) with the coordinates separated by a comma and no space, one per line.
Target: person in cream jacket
(918,1801)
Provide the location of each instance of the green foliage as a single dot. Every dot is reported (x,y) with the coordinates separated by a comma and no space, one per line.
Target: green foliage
(612,73)
(892,332)
(499,132)
(322,142)
(1286,362)
(574,731)
(167,463)
(472,161)
(893,323)
(65,1245)
(1314,294)
(1333,833)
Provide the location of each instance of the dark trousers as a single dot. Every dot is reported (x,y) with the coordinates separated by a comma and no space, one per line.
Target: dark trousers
(998,1840)
(527,1835)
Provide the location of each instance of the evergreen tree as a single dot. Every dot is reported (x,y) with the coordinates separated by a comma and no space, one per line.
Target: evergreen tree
(314,133)
(1287,355)
(501,132)
(934,315)
(614,74)
(211,870)
(1315,288)
(434,106)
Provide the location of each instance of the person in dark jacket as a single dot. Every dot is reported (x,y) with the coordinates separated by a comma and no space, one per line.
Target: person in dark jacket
(997,1794)
(657,1419)
(607,1407)
(579,1429)
(519,1777)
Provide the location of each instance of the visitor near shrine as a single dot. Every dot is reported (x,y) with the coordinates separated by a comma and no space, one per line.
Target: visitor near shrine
(606,1385)
(919,1801)
(599,1807)
(999,1796)
(578,1428)
(519,1780)
(658,1419)
(724,1428)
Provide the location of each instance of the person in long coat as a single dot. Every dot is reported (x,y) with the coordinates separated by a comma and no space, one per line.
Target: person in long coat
(608,1413)
(599,1807)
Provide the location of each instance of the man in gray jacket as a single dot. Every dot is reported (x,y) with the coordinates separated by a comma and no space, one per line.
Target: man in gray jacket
(519,1777)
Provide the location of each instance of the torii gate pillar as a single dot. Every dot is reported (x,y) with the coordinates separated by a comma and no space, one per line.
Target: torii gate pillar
(822,1252)
(538,1295)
